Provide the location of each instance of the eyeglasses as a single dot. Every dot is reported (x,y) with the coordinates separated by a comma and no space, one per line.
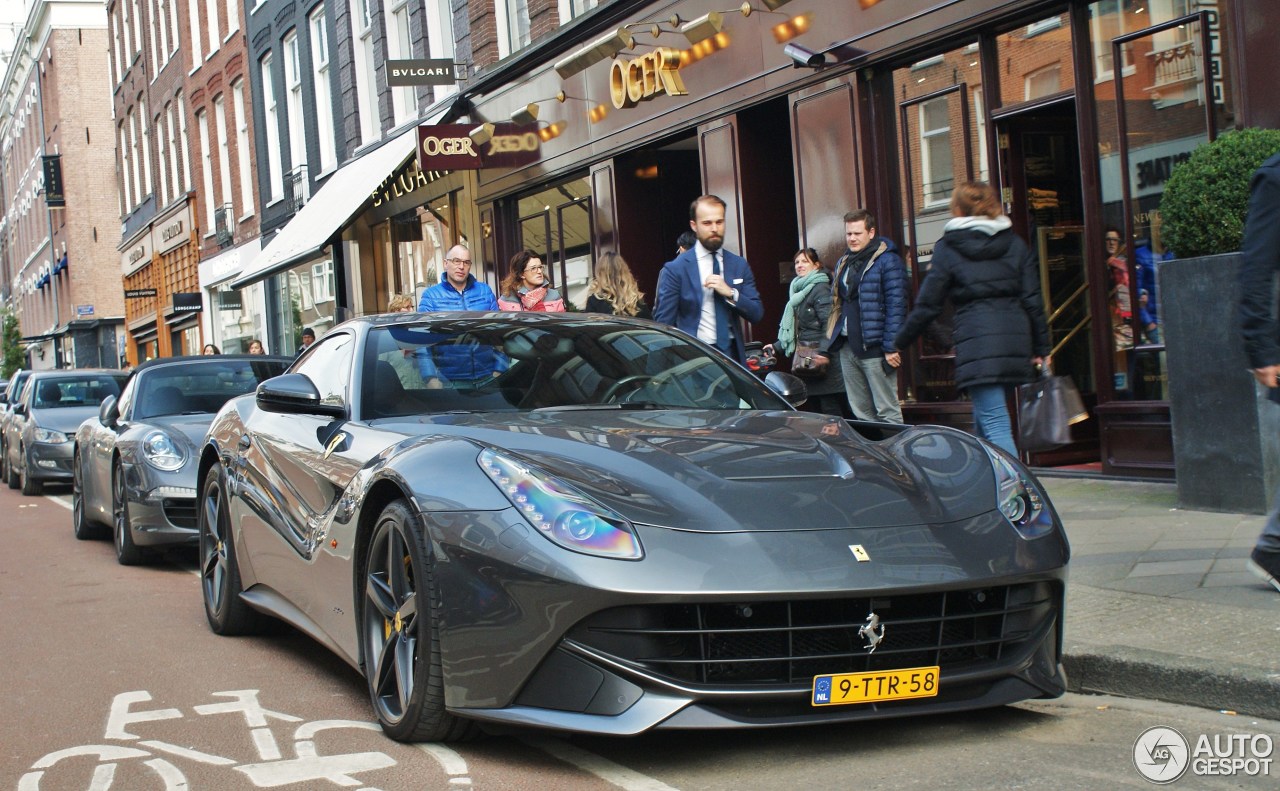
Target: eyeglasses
(1113,238)
(537,268)
(463,261)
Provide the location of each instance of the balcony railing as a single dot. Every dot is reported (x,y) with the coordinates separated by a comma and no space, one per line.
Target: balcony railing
(297,189)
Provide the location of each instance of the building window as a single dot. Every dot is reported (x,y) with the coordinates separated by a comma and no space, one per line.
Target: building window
(146,146)
(935,152)
(134,156)
(206,161)
(173,27)
(1045,82)
(365,71)
(224,150)
(128,37)
(118,54)
(400,46)
(322,283)
(572,9)
(126,180)
(293,97)
(186,146)
(175,164)
(162,162)
(275,184)
(137,30)
(193,12)
(512,18)
(233,16)
(211,12)
(242,147)
(151,27)
(1107,21)
(440,38)
(320,80)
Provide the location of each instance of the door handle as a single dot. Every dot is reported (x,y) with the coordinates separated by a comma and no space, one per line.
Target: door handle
(245,442)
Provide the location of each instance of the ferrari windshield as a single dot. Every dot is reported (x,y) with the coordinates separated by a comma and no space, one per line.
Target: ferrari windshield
(510,365)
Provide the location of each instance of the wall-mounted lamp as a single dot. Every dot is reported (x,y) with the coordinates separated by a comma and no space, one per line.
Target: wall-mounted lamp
(482,134)
(526,115)
(775,4)
(704,27)
(552,131)
(607,46)
(793,27)
(803,57)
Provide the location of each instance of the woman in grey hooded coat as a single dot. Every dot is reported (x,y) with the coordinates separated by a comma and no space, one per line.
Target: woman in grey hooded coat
(993,282)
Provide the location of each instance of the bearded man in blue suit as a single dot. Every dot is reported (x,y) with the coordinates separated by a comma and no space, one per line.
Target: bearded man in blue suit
(706,289)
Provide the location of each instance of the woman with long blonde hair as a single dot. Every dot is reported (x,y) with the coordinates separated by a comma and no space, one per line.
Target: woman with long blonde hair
(614,290)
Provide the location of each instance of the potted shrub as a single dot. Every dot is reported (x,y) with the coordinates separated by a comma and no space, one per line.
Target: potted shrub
(1226,434)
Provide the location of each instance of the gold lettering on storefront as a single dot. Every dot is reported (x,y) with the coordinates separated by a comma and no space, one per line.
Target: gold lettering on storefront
(171,230)
(397,186)
(136,254)
(633,81)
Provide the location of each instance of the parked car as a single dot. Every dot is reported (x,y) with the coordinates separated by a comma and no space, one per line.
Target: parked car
(12,392)
(134,461)
(604,525)
(42,424)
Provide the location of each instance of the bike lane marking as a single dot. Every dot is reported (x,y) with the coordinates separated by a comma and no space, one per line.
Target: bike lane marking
(601,767)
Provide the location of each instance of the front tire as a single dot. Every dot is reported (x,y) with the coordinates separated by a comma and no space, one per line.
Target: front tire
(80,524)
(12,477)
(127,553)
(399,636)
(226,612)
(30,488)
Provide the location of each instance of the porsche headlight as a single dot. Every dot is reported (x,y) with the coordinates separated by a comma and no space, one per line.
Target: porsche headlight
(161,452)
(49,436)
(558,512)
(1020,500)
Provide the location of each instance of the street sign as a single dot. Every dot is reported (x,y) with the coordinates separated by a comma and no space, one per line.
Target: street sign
(421,71)
(84,310)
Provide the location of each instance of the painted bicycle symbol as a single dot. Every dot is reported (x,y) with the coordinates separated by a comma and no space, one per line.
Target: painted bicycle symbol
(270,768)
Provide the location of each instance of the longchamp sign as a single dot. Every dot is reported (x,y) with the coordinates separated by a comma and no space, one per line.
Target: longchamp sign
(450,147)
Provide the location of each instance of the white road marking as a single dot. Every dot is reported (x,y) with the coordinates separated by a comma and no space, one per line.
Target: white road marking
(51,498)
(187,752)
(121,718)
(453,764)
(334,768)
(603,768)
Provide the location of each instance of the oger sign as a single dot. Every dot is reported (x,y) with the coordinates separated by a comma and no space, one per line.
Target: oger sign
(449,147)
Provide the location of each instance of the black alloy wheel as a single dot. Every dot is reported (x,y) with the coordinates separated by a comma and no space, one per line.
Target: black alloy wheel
(399,637)
(80,524)
(226,612)
(127,553)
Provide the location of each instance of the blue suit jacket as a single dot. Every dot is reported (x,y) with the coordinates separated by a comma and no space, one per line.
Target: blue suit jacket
(679,298)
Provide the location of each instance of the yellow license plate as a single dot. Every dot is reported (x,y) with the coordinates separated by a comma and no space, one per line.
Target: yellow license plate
(880,685)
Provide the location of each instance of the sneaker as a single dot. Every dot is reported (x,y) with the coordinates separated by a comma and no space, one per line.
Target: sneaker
(1266,566)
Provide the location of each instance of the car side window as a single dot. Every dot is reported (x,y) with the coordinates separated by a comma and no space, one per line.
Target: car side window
(328,365)
(126,397)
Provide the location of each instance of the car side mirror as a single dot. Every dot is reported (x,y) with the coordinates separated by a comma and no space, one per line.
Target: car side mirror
(19,408)
(792,388)
(109,411)
(294,394)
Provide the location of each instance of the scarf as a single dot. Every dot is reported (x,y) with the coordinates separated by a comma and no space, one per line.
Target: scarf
(800,288)
(855,263)
(530,298)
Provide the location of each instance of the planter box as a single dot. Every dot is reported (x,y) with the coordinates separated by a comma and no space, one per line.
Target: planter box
(1226,431)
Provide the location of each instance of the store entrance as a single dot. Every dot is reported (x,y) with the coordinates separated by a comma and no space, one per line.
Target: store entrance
(1040,186)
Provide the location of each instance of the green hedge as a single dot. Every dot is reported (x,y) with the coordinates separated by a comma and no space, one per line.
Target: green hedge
(1206,198)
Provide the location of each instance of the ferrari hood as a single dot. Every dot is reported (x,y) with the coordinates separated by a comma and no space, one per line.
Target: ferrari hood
(735,471)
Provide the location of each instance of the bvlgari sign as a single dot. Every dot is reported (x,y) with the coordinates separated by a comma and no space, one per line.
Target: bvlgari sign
(420,71)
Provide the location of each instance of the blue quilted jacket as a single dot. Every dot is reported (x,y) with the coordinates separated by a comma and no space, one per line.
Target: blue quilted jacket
(882,298)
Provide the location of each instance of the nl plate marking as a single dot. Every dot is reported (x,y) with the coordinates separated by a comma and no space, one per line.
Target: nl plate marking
(874,687)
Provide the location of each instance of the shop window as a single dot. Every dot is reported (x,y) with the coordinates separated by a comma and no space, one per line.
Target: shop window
(556,223)
(935,153)
(1173,97)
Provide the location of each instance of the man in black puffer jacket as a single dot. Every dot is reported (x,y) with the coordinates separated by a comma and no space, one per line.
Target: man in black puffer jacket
(861,329)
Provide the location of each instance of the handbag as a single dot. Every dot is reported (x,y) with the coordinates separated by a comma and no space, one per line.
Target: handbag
(809,362)
(1047,408)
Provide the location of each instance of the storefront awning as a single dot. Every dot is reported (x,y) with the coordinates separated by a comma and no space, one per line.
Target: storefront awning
(330,209)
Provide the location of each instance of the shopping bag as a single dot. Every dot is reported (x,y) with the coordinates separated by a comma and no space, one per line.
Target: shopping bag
(1047,408)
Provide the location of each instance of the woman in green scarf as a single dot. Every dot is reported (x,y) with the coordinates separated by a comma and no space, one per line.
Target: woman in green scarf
(804,322)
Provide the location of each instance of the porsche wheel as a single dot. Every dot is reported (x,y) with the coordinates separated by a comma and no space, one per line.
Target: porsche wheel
(399,635)
(227,613)
(30,488)
(127,552)
(80,525)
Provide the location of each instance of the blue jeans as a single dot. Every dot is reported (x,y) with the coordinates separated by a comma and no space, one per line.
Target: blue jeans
(991,416)
(1269,541)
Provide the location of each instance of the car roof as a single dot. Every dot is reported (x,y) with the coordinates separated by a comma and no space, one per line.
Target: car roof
(209,358)
(73,373)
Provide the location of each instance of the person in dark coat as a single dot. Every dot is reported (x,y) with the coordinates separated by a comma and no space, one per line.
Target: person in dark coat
(867,309)
(1000,331)
(614,290)
(1259,328)
(804,323)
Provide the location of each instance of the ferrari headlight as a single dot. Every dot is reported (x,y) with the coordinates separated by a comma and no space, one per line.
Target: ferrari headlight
(1020,500)
(161,452)
(50,436)
(558,512)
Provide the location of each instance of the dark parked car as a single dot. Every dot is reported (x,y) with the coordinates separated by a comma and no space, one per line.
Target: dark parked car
(12,392)
(134,461)
(42,423)
(604,525)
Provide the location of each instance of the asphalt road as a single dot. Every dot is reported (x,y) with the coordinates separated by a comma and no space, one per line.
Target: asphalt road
(112,680)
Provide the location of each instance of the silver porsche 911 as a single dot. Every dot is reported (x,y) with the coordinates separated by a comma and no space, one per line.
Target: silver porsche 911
(603,525)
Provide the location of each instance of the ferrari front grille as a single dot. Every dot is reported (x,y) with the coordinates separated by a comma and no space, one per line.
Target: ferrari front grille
(791,641)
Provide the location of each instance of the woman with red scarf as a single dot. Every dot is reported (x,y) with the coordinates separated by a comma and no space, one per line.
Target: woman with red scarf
(526,286)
